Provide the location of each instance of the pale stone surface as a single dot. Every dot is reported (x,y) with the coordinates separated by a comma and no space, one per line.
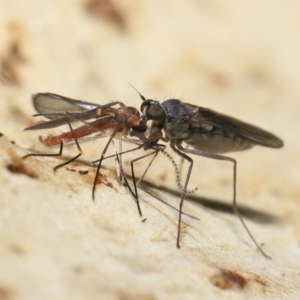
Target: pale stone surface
(239,58)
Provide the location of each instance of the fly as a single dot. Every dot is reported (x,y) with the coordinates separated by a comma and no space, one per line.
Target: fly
(123,122)
(107,120)
(208,132)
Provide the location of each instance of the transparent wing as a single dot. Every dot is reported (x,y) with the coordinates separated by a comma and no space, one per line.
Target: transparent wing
(62,110)
(48,104)
(205,118)
(63,119)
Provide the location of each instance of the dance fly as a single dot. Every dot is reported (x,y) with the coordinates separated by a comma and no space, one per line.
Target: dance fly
(208,132)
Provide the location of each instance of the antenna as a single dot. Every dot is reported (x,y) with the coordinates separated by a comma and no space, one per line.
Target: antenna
(142,97)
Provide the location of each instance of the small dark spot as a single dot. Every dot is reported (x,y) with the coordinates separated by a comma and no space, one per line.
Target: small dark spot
(71,170)
(109,184)
(1,134)
(13,142)
(144,220)
(108,10)
(83,172)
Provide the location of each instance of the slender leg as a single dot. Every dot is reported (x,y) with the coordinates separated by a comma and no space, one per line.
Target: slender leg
(61,150)
(46,154)
(155,152)
(67,162)
(114,155)
(234,204)
(173,144)
(117,155)
(101,159)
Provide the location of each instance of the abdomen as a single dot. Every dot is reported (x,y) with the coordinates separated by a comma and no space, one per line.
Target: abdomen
(218,141)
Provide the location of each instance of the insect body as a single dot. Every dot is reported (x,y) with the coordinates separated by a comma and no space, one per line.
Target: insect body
(62,110)
(208,132)
(203,128)
(112,119)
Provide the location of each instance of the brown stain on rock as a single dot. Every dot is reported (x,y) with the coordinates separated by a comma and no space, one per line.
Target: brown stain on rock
(227,279)
(101,179)
(106,9)
(89,178)
(6,293)
(13,57)
(17,165)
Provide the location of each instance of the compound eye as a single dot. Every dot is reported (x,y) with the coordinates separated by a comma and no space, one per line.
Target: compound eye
(155,112)
(152,110)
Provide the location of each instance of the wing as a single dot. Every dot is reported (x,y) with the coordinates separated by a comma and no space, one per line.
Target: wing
(64,119)
(62,110)
(207,119)
(48,104)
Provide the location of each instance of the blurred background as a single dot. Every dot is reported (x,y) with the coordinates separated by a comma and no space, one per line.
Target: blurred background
(239,58)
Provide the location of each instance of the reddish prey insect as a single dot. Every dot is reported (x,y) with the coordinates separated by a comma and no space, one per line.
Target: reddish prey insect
(208,132)
(102,120)
(122,122)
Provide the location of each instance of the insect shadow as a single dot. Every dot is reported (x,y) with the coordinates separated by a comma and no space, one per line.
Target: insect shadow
(217,204)
(210,133)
